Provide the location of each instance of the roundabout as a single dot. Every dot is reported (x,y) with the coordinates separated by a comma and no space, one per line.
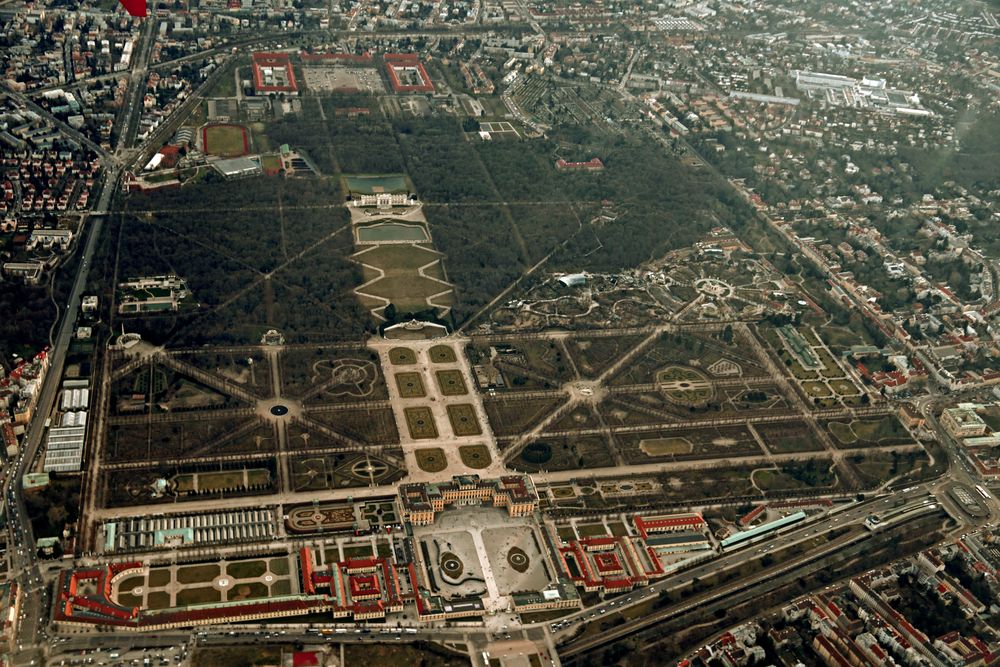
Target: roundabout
(278,408)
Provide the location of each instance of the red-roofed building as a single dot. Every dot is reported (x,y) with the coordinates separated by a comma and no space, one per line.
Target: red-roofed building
(668,524)
(273,73)
(593,164)
(608,564)
(407,73)
(305,659)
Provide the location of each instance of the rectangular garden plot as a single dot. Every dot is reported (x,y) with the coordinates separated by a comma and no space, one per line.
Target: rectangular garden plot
(451,383)
(420,423)
(463,420)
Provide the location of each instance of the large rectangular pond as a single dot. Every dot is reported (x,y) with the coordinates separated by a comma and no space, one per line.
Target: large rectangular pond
(369,185)
(391,231)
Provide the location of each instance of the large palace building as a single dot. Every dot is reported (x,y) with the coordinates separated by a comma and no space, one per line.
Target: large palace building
(421,502)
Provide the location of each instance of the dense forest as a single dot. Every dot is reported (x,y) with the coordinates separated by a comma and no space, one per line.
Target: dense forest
(494,208)
(974,165)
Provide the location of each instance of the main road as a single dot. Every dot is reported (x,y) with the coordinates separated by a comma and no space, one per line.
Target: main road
(24,562)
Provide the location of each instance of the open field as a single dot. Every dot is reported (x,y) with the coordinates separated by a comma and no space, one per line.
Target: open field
(869,432)
(787,437)
(405,275)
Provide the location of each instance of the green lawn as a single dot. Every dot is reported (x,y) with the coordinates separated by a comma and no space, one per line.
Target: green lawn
(368,184)
(402,356)
(400,281)
(278,566)
(420,423)
(246,569)
(451,383)
(198,595)
(194,574)
(431,459)
(463,420)
(225,140)
(410,385)
(843,432)
(159,576)
(475,456)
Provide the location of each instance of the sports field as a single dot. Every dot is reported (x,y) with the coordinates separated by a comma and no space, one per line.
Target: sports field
(225,140)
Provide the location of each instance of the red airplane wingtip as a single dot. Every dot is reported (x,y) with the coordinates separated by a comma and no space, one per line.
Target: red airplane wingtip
(134,7)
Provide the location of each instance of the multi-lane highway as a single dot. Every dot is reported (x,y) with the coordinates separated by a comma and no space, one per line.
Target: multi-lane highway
(914,502)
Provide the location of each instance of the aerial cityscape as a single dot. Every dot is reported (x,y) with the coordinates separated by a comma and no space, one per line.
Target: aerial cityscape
(504,333)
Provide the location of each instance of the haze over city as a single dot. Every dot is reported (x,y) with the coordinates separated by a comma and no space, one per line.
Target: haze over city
(504,333)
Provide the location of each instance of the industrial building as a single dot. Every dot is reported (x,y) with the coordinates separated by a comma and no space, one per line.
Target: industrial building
(745,537)
(64,448)
(238,167)
(75,399)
